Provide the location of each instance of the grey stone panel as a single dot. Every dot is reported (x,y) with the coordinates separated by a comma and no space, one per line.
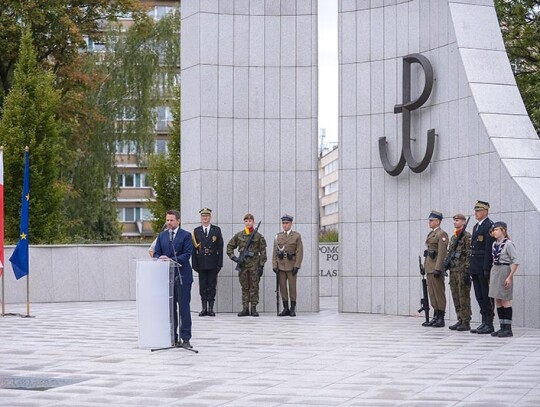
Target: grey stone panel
(209,38)
(190,36)
(211,6)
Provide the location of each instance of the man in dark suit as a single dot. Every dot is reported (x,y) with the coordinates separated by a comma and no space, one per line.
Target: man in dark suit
(175,244)
(207,260)
(480,265)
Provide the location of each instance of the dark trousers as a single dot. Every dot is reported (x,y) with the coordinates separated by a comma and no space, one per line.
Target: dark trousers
(181,300)
(207,284)
(481,291)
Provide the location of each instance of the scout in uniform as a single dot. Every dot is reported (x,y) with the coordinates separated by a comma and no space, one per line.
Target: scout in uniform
(207,260)
(251,270)
(481,261)
(435,253)
(286,261)
(460,278)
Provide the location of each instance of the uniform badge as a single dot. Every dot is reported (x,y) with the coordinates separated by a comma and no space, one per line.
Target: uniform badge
(480,238)
(214,238)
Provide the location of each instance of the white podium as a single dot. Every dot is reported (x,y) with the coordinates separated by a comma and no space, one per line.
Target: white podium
(154,295)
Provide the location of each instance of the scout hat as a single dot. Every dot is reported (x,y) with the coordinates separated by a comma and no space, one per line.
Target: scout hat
(499,224)
(459,216)
(481,205)
(205,211)
(249,216)
(435,215)
(286,218)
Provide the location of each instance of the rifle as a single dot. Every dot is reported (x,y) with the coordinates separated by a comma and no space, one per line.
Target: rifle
(452,252)
(246,253)
(424,301)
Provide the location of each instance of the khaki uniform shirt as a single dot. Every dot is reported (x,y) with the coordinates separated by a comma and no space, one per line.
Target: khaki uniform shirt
(292,248)
(437,250)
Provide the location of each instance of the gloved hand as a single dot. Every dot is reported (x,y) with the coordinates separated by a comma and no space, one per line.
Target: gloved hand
(276,270)
(466,278)
(486,273)
(295,271)
(437,273)
(260,271)
(235,259)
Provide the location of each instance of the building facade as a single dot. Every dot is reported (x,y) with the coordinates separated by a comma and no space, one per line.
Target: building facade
(328,190)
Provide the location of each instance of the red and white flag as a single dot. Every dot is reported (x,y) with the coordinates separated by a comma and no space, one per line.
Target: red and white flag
(1,211)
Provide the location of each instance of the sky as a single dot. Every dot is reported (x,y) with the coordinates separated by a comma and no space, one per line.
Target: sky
(328,68)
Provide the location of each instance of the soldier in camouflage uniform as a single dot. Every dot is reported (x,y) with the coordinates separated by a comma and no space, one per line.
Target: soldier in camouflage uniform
(460,278)
(251,270)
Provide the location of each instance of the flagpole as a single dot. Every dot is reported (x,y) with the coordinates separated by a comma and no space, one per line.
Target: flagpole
(28,296)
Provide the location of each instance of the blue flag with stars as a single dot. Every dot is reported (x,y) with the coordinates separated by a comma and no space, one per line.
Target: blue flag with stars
(20,257)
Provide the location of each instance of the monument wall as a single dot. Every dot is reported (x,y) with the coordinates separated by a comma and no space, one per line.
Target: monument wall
(249,129)
(486,148)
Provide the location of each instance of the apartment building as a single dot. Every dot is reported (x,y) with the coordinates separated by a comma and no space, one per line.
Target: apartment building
(328,188)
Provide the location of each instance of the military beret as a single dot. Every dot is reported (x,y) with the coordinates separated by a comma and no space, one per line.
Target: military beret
(499,224)
(435,215)
(459,216)
(205,211)
(249,216)
(286,218)
(481,205)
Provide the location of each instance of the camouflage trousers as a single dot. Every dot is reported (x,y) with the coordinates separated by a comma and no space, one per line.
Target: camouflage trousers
(461,294)
(249,281)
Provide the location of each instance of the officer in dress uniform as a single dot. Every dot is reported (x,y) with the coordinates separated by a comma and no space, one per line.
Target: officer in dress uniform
(481,261)
(207,260)
(286,261)
(252,268)
(435,253)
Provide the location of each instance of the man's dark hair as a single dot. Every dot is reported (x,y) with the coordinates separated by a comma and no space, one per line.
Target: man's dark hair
(175,213)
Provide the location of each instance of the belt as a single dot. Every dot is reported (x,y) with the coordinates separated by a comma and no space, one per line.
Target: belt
(501,264)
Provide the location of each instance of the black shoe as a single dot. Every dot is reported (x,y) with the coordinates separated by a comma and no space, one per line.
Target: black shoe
(285,311)
(254,312)
(211,312)
(507,332)
(244,312)
(455,326)
(481,326)
(204,309)
(488,327)
(439,323)
(186,344)
(293,309)
(432,321)
(465,326)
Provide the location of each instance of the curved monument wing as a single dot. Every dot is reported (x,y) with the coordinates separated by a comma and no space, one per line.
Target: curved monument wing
(495,93)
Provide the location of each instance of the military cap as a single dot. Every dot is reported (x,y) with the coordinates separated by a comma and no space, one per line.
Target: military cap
(499,224)
(435,215)
(205,211)
(286,218)
(249,216)
(459,216)
(481,205)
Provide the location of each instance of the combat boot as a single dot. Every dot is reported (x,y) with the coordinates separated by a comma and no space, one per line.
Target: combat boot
(475,330)
(507,332)
(439,323)
(293,308)
(455,326)
(211,312)
(254,312)
(465,326)
(285,311)
(245,311)
(204,309)
(488,326)
(429,323)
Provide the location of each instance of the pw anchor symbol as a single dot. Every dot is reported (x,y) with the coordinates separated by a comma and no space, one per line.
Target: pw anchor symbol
(406,108)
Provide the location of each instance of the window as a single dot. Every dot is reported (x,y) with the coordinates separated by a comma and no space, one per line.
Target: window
(161,147)
(126,147)
(330,209)
(134,214)
(331,188)
(164,118)
(129,180)
(158,12)
(331,167)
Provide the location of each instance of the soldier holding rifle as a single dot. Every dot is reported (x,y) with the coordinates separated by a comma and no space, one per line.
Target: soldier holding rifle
(435,253)
(460,279)
(251,246)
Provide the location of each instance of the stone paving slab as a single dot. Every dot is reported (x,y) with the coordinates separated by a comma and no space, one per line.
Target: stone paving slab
(316,359)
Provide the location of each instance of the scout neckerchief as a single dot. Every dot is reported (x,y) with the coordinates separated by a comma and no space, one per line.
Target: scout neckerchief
(498,248)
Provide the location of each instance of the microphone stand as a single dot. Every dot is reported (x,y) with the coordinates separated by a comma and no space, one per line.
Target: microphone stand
(176,278)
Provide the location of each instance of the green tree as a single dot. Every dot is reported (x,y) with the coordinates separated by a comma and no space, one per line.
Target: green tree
(164,174)
(30,119)
(121,86)
(520,25)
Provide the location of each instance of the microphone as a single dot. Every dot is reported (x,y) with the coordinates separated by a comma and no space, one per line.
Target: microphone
(170,235)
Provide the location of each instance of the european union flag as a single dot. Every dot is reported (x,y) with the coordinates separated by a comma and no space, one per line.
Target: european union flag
(20,258)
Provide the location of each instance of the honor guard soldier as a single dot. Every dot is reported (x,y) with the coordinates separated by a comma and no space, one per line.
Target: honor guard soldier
(251,247)
(481,261)
(460,278)
(435,253)
(286,261)
(207,260)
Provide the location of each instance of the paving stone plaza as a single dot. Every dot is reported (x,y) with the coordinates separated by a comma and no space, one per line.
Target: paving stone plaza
(90,351)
